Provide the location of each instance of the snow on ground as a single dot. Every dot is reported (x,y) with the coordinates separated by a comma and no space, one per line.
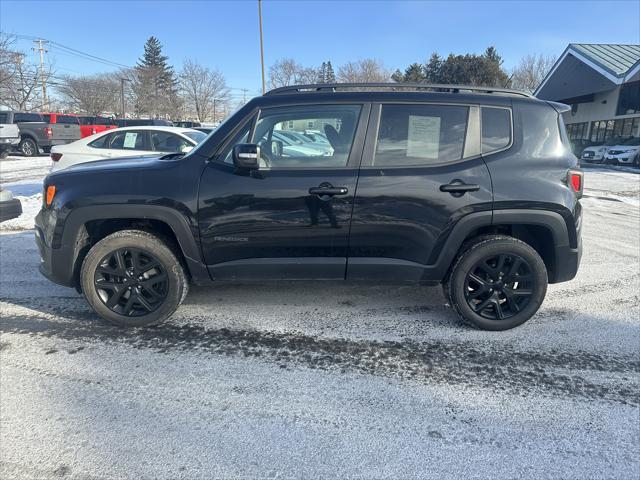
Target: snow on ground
(325,380)
(23,176)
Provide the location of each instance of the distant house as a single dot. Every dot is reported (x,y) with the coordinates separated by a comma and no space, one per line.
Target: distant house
(601,82)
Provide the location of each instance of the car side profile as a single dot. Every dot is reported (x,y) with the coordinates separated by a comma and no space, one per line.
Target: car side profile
(469,187)
(126,142)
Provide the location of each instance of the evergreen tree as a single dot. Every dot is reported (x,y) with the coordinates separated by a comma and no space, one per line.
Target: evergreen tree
(322,73)
(330,76)
(413,74)
(155,85)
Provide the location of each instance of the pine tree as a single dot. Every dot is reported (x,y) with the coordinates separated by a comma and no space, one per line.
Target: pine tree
(156,84)
(322,73)
(330,76)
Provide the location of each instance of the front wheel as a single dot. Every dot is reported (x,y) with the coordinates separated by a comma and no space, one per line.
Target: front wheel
(497,283)
(132,278)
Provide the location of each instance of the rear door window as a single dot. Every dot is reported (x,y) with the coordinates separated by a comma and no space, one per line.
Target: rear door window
(496,129)
(3,117)
(420,134)
(102,142)
(129,140)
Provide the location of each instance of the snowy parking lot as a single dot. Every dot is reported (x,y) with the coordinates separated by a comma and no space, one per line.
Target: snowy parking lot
(325,380)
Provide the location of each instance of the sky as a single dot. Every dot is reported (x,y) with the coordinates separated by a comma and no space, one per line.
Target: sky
(224,34)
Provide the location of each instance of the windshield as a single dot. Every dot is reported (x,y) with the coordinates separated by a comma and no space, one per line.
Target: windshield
(195,136)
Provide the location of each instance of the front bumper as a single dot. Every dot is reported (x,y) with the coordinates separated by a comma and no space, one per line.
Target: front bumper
(56,264)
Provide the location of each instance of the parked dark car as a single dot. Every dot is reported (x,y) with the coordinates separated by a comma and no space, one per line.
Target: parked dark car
(37,133)
(470,187)
(140,122)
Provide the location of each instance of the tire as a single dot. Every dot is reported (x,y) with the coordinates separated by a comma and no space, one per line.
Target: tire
(28,147)
(496,282)
(4,154)
(138,268)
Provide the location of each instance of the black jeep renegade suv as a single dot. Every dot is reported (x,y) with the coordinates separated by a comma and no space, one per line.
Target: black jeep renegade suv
(474,188)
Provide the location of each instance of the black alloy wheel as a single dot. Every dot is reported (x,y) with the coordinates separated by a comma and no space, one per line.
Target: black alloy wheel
(131,282)
(499,287)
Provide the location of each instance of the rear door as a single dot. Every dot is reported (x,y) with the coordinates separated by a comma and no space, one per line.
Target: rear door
(421,172)
(128,143)
(289,219)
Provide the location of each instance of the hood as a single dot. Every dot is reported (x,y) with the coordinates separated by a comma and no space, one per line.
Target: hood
(133,163)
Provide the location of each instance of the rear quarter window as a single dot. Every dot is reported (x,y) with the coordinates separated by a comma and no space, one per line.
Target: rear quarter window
(496,129)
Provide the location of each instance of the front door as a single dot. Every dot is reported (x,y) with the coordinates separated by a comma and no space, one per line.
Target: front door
(290,218)
(421,172)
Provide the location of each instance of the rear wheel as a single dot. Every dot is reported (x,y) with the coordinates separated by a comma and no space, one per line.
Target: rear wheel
(28,147)
(132,278)
(497,283)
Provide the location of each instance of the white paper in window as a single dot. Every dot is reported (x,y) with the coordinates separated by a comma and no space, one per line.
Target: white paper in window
(424,137)
(130,140)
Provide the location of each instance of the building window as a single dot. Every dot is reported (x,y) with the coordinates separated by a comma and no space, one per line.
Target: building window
(629,99)
(604,130)
(578,131)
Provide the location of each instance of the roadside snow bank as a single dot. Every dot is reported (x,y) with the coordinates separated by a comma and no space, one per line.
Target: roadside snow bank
(30,208)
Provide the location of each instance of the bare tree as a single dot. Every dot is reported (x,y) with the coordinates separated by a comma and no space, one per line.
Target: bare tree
(6,58)
(22,91)
(367,70)
(205,90)
(531,71)
(287,72)
(90,94)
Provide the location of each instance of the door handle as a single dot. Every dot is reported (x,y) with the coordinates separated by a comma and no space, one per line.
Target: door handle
(328,191)
(457,188)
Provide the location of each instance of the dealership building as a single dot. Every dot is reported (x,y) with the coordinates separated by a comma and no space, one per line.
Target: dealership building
(601,83)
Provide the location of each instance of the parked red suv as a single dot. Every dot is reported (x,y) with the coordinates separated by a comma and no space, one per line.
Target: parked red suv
(92,125)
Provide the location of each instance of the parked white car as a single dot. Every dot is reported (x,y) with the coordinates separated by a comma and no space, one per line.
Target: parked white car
(594,154)
(625,153)
(126,142)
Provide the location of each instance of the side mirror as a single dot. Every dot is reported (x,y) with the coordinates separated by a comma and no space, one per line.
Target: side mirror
(246,156)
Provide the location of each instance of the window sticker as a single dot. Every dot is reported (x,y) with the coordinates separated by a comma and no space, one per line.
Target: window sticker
(130,140)
(424,137)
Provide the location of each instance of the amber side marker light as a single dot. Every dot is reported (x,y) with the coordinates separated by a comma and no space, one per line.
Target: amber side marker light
(51,192)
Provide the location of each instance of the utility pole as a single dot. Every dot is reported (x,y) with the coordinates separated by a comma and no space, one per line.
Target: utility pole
(122,80)
(264,90)
(244,95)
(214,110)
(42,50)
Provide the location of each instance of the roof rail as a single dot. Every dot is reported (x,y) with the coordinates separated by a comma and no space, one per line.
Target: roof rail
(334,87)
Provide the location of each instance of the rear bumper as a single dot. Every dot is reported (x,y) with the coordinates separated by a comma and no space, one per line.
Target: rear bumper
(567,263)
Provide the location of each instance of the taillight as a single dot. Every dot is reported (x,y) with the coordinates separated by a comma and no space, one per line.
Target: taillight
(55,156)
(48,132)
(51,192)
(576,181)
